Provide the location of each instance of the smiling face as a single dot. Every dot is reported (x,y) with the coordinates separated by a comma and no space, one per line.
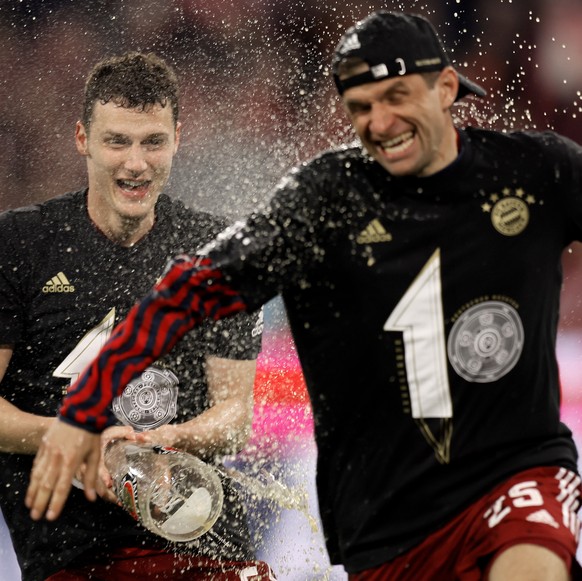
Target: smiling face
(129,154)
(405,122)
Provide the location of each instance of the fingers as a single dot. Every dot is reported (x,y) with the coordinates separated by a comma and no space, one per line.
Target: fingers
(63,449)
(50,483)
(91,471)
(104,475)
(106,493)
(117,433)
(144,437)
(42,482)
(109,435)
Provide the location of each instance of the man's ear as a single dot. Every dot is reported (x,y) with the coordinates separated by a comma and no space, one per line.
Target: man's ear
(177,136)
(81,138)
(448,83)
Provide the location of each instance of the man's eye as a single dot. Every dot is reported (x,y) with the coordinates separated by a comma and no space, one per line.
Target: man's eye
(116,142)
(155,142)
(398,97)
(358,108)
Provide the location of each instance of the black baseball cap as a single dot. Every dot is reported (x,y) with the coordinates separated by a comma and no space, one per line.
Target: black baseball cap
(395,44)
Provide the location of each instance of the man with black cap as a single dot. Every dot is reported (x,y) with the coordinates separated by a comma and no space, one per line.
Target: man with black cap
(420,272)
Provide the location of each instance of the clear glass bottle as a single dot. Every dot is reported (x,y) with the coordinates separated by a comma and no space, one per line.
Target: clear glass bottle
(172,493)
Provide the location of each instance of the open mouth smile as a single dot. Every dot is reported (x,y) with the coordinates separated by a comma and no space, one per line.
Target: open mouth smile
(397,144)
(134,187)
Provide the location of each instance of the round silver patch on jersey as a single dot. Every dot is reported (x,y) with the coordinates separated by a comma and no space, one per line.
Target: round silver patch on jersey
(148,401)
(486,341)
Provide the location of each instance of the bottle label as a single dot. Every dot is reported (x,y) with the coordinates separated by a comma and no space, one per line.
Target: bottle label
(164,449)
(128,495)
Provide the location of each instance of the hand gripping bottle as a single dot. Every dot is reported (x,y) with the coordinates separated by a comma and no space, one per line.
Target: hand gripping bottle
(172,493)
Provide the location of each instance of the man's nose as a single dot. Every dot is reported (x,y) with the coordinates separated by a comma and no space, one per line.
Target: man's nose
(381,118)
(136,162)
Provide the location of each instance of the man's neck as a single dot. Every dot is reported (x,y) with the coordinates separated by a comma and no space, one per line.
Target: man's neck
(122,230)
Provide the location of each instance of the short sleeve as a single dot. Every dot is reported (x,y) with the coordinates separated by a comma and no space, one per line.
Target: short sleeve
(13,276)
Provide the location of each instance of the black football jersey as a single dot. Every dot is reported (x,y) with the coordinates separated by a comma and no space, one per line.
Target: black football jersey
(425,312)
(63,287)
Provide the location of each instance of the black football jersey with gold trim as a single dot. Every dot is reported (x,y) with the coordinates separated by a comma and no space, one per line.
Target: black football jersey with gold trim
(63,286)
(424,311)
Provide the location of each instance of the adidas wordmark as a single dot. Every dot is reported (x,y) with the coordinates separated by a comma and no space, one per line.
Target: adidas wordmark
(58,284)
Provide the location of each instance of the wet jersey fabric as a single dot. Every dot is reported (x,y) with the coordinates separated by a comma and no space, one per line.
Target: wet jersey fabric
(424,312)
(63,287)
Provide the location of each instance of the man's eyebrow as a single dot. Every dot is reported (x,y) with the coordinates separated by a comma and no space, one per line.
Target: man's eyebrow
(111,133)
(397,86)
(157,134)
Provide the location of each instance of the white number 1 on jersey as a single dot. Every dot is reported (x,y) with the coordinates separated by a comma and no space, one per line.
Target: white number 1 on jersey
(419,316)
(86,349)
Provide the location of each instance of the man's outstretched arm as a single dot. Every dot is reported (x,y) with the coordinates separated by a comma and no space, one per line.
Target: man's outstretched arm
(190,291)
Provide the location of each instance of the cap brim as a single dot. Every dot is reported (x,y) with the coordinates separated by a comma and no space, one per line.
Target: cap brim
(467,87)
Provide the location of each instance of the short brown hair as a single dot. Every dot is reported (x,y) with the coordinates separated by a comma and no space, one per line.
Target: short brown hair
(131,80)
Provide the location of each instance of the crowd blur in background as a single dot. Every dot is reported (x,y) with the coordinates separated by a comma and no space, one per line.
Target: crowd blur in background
(257,96)
(256,92)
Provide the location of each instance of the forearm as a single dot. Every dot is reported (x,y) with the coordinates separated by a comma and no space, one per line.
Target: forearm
(188,293)
(223,429)
(21,432)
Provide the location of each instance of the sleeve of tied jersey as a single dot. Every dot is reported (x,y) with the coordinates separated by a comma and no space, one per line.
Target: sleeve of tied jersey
(190,291)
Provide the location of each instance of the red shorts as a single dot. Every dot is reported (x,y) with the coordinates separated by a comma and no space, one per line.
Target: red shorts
(537,506)
(148,565)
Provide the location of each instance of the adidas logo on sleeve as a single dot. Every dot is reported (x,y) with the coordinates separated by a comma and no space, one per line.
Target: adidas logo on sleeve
(58,284)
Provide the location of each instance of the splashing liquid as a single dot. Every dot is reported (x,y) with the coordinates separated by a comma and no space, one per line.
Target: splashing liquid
(265,486)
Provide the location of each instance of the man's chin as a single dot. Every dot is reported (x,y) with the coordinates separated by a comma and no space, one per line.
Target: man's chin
(135,209)
(397,169)
(134,217)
